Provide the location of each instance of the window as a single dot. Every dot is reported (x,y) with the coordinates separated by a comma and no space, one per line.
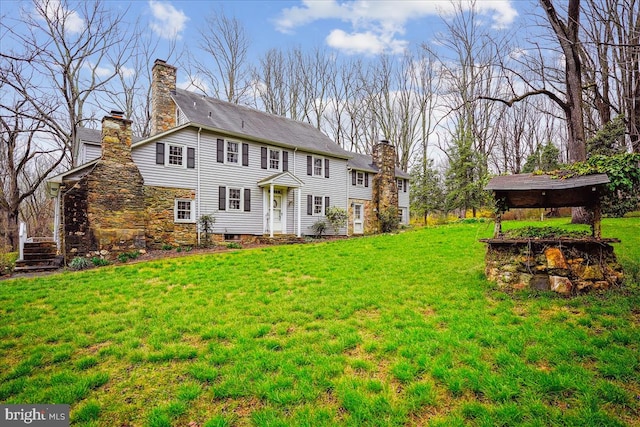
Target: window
(183,210)
(175,155)
(233,152)
(235,199)
(360,179)
(317,166)
(317,205)
(400,184)
(274,159)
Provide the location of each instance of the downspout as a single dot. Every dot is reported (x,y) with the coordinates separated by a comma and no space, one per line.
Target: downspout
(198,189)
(347,182)
(296,216)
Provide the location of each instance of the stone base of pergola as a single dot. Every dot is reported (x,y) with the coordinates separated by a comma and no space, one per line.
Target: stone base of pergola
(566,266)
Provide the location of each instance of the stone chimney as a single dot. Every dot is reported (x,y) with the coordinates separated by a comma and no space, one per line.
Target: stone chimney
(163,109)
(116,138)
(385,187)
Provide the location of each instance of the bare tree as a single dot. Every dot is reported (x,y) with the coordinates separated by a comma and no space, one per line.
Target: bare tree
(29,152)
(71,52)
(224,40)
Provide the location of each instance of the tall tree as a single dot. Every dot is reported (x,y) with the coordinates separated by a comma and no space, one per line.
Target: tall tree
(224,40)
(70,51)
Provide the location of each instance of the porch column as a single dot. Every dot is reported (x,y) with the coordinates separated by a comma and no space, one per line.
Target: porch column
(271,210)
(299,195)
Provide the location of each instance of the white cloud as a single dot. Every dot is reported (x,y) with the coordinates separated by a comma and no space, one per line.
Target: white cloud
(376,25)
(55,12)
(194,84)
(168,22)
(366,43)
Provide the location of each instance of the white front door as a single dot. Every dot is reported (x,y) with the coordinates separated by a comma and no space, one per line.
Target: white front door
(278,209)
(358,221)
(277,212)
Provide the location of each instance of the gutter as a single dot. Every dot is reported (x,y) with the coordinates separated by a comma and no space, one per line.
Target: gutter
(198,190)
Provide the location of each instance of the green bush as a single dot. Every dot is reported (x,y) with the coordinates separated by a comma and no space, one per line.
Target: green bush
(100,262)
(126,256)
(7,261)
(319,227)
(337,217)
(389,219)
(234,245)
(167,247)
(80,263)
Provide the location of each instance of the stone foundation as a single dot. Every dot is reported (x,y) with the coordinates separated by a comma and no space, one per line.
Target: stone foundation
(567,267)
(370,225)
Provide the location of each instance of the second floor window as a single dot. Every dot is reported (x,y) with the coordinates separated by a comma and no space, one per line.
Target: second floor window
(175,155)
(274,159)
(233,152)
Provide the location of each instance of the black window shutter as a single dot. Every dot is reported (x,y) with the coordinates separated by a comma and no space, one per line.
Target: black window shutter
(354,175)
(263,157)
(326,204)
(247,200)
(220,151)
(285,161)
(159,153)
(191,158)
(326,168)
(245,154)
(222,198)
(309,204)
(366,179)
(309,166)
(404,185)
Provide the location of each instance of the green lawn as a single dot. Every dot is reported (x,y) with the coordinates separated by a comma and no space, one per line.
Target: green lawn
(388,330)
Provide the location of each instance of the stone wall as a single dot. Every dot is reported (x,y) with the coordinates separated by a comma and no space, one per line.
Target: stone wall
(163,109)
(161,228)
(565,267)
(75,231)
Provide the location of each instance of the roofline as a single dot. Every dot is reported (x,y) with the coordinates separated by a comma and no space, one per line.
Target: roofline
(235,135)
(59,178)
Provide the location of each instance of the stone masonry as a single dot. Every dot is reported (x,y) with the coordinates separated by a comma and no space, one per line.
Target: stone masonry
(163,109)
(565,267)
(385,187)
(161,228)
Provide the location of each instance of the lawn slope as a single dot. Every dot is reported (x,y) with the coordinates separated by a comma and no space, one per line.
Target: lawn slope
(387,330)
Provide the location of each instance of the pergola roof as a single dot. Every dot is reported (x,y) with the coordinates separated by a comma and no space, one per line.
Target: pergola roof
(546,191)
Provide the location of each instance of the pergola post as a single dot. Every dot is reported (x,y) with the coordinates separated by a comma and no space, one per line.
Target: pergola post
(596,226)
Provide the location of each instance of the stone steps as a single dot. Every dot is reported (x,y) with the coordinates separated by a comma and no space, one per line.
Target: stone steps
(39,256)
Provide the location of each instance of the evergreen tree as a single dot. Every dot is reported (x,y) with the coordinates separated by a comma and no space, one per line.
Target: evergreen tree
(426,194)
(545,158)
(466,176)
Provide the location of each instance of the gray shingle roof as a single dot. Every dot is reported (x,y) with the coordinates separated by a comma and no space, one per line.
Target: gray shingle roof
(254,124)
(527,181)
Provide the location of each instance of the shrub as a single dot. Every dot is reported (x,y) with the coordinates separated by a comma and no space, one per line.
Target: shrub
(337,218)
(388,219)
(126,256)
(206,225)
(167,247)
(234,245)
(80,263)
(100,262)
(7,261)
(319,227)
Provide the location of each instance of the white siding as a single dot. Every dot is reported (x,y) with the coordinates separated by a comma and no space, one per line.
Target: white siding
(364,193)
(403,201)
(215,175)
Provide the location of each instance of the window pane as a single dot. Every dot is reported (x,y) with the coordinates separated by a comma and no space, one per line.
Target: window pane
(234,199)
(317,167)
(317,205)
(175,155)
(232,152)
(274,159)
(360,178)
(184,210)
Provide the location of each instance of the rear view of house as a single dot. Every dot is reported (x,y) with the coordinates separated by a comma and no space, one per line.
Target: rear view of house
(257,174)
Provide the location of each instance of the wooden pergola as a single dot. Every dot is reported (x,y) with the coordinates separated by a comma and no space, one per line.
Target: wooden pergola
(546,191)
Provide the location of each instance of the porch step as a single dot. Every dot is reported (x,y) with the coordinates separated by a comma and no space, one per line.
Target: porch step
(39,256)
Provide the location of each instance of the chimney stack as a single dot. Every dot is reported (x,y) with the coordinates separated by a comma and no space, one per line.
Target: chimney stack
(163,109)
(385,187)
(116,138)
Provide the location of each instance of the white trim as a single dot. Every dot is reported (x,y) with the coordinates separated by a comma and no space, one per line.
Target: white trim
(238,153)
(183,155)
(274,149)
(191,219)
(313,166)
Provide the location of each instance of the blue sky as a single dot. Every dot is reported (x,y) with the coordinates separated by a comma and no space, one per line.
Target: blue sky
(349,27)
